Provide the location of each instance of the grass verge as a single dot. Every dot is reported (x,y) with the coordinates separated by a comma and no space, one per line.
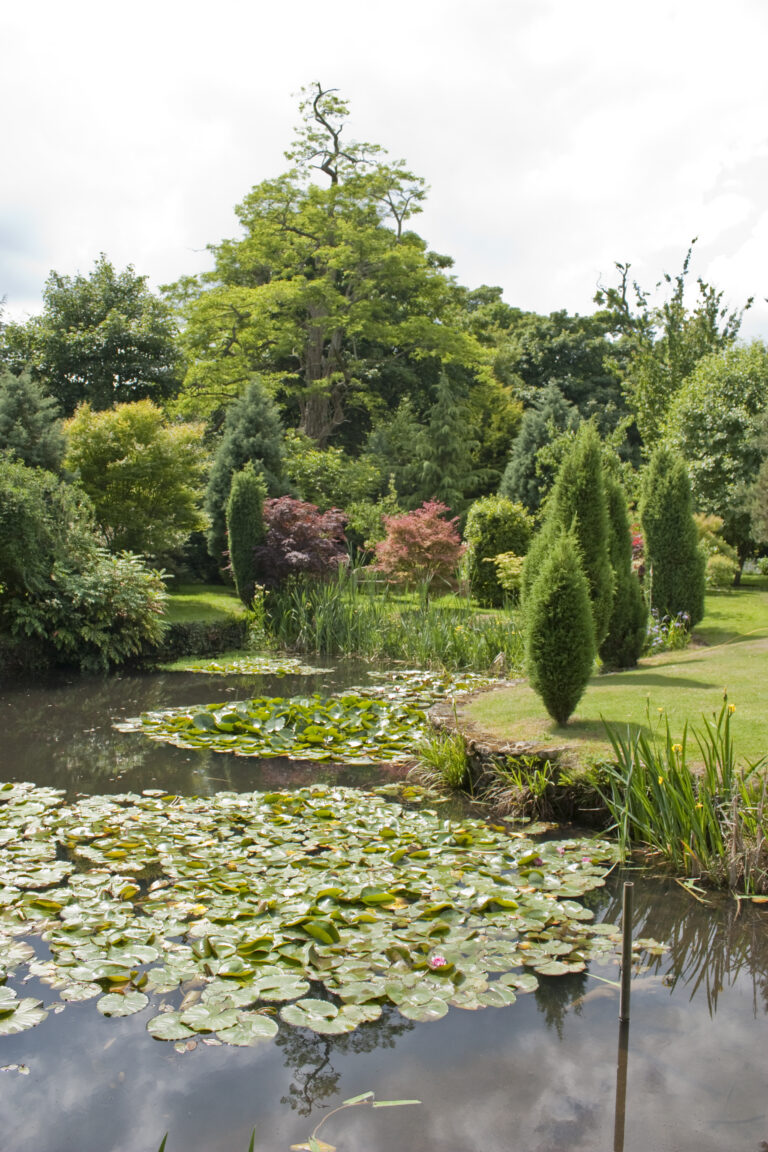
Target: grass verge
(730,652)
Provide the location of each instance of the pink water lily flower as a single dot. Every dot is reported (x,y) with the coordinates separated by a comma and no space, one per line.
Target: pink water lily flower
(437,961)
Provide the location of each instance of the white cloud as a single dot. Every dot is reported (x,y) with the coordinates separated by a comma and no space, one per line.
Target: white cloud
(557,137)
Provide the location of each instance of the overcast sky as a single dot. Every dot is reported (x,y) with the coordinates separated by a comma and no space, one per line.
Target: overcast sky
(557,136)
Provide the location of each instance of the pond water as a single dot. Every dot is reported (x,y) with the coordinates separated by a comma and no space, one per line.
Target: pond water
(543,1075)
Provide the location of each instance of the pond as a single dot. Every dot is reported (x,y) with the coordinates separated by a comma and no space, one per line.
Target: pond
(537,1076)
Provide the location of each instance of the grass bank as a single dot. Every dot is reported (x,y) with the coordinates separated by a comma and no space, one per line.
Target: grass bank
(729,652)
(204,620)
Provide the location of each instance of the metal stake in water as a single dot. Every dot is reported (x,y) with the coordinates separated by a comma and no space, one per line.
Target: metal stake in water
(626,950)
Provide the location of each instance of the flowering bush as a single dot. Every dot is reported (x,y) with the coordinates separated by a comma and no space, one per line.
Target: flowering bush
(667,634)
(420,548)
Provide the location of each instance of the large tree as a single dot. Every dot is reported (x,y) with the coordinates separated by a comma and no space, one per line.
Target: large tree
(714,422)
(103,339)
(326,288)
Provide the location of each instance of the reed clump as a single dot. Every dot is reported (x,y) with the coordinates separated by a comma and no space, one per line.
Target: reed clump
(710,821)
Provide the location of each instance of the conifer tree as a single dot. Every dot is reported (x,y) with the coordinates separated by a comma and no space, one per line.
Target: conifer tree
(628,623)
(674,564)
(578,503)
(30,428)
(245,528)
(252,431)
(447,468)
(559,633)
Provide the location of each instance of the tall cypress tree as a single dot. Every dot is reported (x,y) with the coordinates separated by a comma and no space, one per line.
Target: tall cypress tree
(577,503)
(245,528)
(674,564)
(252,431)
(629,616)
(559,629)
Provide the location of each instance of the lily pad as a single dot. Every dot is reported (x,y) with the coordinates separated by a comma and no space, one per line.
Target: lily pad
(117,1004)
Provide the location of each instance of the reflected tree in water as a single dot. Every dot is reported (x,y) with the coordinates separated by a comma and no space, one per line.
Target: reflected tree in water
(310,1056)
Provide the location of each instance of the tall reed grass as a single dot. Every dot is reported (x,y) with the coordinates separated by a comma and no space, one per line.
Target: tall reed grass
(711,822)
(351,616)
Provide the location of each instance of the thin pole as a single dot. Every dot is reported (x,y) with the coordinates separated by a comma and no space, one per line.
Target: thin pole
(626,950)
(620,1111)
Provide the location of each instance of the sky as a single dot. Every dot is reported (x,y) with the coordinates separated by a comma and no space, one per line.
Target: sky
(556,137)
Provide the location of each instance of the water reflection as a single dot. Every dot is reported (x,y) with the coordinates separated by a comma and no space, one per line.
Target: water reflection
(542,1076)
(309,1058)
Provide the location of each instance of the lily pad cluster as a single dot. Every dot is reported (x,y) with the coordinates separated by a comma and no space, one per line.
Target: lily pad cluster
(329,902)
(350,728)
(252,666)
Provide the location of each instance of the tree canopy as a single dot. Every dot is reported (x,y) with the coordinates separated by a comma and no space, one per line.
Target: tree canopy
(714,422)
(103,339)
(325,287)
(143,476)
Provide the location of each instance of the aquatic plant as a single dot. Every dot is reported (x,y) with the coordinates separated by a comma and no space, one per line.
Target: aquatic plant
(349,728)
(443,759)
(710,823)
(331,902)
(348,616)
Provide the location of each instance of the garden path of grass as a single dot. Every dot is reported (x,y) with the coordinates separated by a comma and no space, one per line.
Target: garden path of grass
(207,603)
(729,652)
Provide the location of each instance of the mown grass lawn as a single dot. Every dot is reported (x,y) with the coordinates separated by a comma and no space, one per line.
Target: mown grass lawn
(729,653)
(207,603)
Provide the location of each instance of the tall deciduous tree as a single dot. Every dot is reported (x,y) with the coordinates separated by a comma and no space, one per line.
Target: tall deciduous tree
(252,432)
(142,475)
(326,283)
(104,339)
(714,424)
(663,342)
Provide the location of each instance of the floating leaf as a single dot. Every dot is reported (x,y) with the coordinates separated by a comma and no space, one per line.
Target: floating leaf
(117,1004)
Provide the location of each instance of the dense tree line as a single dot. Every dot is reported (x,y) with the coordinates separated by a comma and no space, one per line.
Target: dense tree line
(331,357)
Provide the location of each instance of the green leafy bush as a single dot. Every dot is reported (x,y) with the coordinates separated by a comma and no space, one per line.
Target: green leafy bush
(58,587)
(721,571)
(559,630)
(494,526)
(99,616)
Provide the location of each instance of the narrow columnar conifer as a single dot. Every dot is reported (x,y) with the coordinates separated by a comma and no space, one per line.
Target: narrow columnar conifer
(674,563)
(628,623)
(559,629)
(245,528)
(578,504)
(252,431)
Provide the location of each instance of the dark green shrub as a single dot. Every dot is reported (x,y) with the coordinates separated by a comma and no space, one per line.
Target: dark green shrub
(494,525)
(245,528)
(674,563)
(628,624)
(559,630)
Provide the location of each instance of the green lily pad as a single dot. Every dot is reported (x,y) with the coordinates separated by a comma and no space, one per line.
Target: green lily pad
(249,1031)
(117,1004)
